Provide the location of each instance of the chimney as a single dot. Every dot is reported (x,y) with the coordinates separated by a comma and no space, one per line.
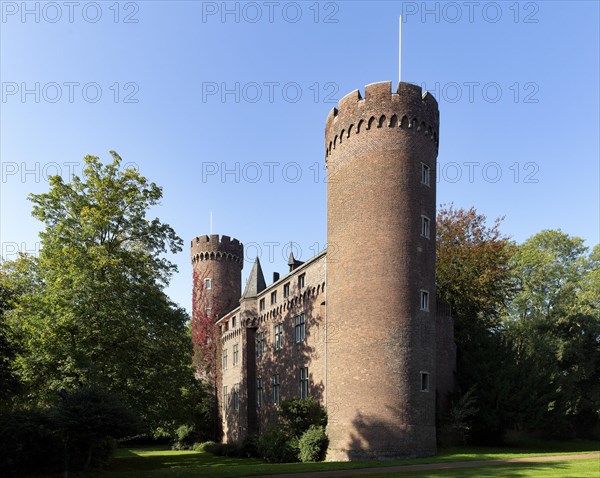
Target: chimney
(275,276)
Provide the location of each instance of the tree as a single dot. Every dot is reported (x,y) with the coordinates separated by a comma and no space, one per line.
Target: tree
(99,315)
(474,276)
(555,323)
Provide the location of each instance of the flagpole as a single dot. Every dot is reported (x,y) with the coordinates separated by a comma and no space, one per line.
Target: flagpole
(400,48)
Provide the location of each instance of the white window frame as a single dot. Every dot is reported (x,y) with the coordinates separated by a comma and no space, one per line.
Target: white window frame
(425,380)
(259,392)
(235,397)
(208,283)
(224,359)
(276,389)
(301,281)
(261,304)
(286,290)
(425,227)
(278,332)
(300,328)
(225,397)
(425,175)
(236,354)
(273,297)
(424,300)
(303,379)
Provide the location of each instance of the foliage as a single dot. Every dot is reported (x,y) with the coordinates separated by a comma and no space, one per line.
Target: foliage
(92,311)
(554,326)
(277,445)
(474,276)
(81,429)
(298,414)
(313,444)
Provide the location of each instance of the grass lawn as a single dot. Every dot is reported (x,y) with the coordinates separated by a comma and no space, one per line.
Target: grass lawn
(161,462)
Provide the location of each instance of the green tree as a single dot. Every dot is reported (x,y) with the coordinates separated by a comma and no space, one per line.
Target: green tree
(99,315)
(554,324)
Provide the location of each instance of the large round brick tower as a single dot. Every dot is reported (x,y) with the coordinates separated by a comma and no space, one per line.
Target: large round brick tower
(381,155)
(217,267)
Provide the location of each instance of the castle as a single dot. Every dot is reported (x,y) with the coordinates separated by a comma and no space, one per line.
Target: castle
(357,325)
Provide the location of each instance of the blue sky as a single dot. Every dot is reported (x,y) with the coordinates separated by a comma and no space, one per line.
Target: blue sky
(224,106)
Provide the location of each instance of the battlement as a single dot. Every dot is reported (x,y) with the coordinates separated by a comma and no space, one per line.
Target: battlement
(213,247)
(408,108)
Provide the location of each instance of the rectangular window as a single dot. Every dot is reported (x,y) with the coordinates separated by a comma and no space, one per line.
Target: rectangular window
(301,281)
(233,322)
(261,304)
(425,174)
(278,336)
(235,354)
(259,392)
(424,381)
(225,399)
(300,328)
(224,359)
(424,300)
(235,397)
(273,298)
(208,283)
(303,382)
(286,290)
(260,343)
(207,311)
(276,389)
(425,227)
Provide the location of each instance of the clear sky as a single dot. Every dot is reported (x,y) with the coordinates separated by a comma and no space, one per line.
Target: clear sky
(224,106)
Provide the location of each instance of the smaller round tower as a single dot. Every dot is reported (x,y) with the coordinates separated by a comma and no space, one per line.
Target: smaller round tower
(217,267)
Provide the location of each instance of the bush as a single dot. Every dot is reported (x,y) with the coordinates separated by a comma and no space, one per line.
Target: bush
(313,444)
(249,447)
(185,437)
(299,414)
(207,446)
(276,445)
(87,424)
(30,441)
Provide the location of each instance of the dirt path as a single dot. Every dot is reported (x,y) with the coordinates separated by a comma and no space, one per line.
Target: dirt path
(432,466)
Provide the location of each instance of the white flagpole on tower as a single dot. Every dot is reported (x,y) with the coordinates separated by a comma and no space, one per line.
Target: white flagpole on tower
(400,49)
(211,222)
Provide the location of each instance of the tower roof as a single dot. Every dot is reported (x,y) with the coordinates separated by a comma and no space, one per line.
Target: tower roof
(256,281)
(292,262)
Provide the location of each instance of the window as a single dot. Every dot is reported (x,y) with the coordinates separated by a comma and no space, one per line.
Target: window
(303,382)
(233,322)
(425,227)
(425,174)
(235,354)
(225,398)
(224,359)
(276,389)
(286,290)
(259,392)
(273,297)
(235,397)
(424,300)
(207,311)
(300,328)
(278,336)
(261,305)
(301,281)
(424,381)
(260,343)
(208,283)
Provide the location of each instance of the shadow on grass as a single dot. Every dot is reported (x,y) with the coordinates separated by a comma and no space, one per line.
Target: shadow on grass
(572,469)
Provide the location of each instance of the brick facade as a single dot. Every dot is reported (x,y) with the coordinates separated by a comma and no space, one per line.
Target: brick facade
(373,344)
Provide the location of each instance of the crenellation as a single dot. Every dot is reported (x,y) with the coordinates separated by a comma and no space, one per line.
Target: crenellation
(368,328)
